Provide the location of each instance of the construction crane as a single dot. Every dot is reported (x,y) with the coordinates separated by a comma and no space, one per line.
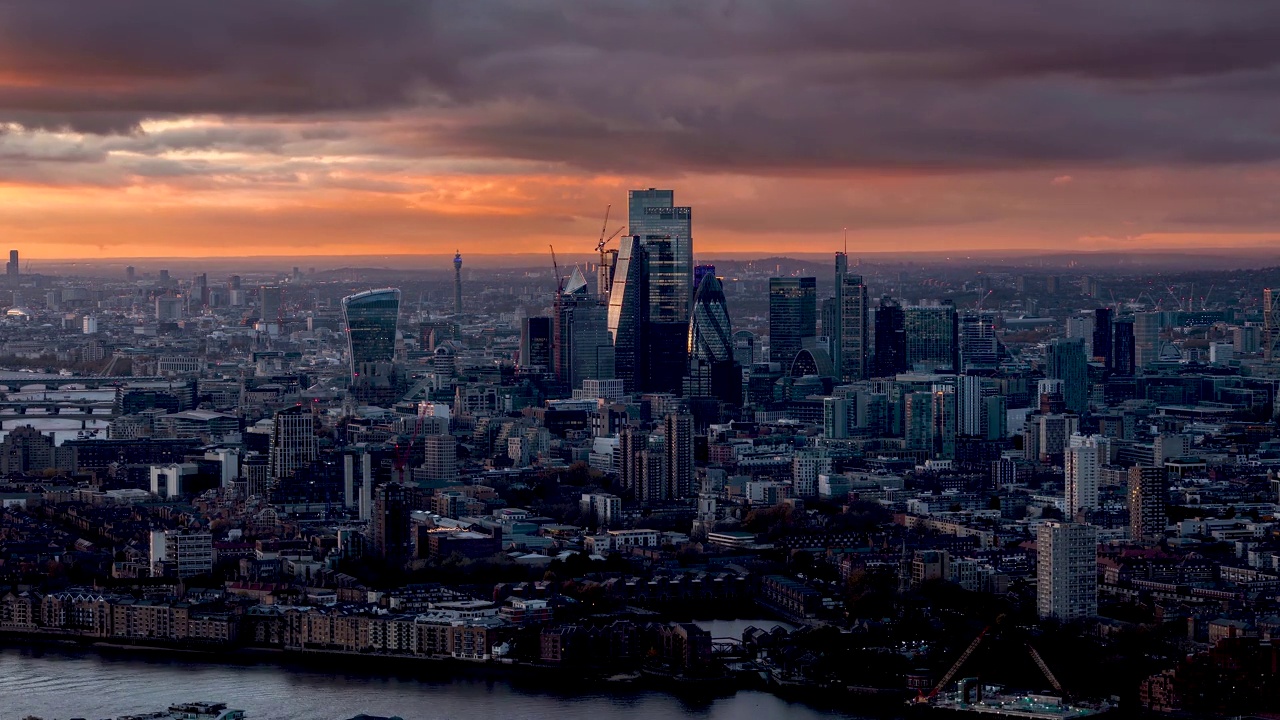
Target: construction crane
(1044,668)
(983,299)
(973,646)
(555,266)
(951,673)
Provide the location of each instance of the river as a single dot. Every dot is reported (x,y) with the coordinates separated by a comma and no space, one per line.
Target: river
(61,684)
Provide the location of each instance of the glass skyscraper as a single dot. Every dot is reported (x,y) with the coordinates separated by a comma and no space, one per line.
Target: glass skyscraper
(852,319)
(628,309)
(649,324)
(712,369)
(581,350)
(665,232)
(1065,361)
(793,316)
(931,337)
(891,339)
(371,318)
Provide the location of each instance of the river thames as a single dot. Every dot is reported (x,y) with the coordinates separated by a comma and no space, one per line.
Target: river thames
(61,684)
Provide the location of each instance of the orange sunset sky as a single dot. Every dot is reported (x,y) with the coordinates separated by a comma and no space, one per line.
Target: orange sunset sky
(143,128)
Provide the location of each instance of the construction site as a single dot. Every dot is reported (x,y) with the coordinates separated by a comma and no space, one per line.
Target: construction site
(970,693)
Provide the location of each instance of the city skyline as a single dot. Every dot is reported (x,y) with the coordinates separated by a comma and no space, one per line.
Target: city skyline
(411,129)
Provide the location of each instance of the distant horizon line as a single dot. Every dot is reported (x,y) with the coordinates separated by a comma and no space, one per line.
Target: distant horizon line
(741,255)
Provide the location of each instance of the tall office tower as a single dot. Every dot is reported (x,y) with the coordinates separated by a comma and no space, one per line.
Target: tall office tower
(270,303)
(1271,324)
(665,233)
(457,282)
(535,342)
(293,440)
(678,463)
(744,348)
(931,337)
(1080,327)
(389,524)
(12,268)
(1123,350)
(440,458)
(827,325)
(979,348)
(164,277)
(581,349)
(628,311)
(1146,338)
(836,330)
(713,370)
(1082,468)
(1147,514)
(130,273)
(371,318)
(891,339)
(667,330)
(793,316)
(1102,333)
(854,330)
(1067,571)
(969,405)
(1065,361)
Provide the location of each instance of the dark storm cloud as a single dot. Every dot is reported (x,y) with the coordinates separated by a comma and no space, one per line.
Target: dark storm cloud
(732,85)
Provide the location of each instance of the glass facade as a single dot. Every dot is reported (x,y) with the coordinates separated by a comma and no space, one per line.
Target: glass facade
(891,339)
(627,301)
(665,232)
(793,316)
(713,371)
(853,334)
(931,337)
(371,318)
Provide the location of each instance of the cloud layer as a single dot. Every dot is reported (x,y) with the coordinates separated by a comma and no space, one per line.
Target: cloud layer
(929,116)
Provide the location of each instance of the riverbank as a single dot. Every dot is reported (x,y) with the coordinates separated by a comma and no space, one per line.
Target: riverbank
(542,679)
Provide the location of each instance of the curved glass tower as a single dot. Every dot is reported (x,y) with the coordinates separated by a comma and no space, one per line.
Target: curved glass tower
(712,370)
(371,318)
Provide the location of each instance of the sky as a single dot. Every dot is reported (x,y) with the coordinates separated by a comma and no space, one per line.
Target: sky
(153,128)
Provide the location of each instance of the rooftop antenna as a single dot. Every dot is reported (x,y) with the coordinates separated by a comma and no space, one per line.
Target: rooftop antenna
(846,241)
